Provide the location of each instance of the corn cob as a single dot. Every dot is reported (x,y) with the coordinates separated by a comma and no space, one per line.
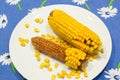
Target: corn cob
(72,57)
(74,32)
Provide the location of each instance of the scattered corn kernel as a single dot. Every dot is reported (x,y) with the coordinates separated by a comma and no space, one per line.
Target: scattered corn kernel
(38,58)
(20,39)
(69,76)
(47,64)
(64,72)
(23,41)
(72,73)
(56,65)
(26,25)
(36,30)
(60,75)
(26,40)
(77,76)
(37,53)
(38,20)
(46,60)
(53,77)
(22,44)
(49,69)
(42,65)
(85,72)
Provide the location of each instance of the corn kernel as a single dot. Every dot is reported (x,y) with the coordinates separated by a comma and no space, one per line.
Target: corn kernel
(26,25)
(20,39)
(46,60)
(49,69)
(26,40)
(77,76)
(47,65)
(72,73)
(69,76)
(38,20)
(36,30)
(63,72)
(53,77)
(38,58)
(78,72)
(56,65)
(42,65)
(85,72)
(36,54)
(43,35)
(22,44)
(60,75)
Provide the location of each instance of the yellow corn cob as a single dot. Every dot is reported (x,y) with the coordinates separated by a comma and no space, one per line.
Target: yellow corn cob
(72,57)
(74,32)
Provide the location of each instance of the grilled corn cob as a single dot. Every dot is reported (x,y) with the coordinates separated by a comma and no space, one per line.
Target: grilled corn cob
(72,57)
(74,32)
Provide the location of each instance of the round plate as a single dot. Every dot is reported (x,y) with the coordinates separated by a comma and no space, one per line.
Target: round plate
(23,57)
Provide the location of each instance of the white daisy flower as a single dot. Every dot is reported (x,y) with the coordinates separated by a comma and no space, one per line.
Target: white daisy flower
(5,59)
(113,74)
(34,10)
(79,2)
(107,12)
(3,21)
(12,2)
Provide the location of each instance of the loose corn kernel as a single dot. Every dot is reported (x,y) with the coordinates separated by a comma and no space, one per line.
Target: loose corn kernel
(26,40)
(49,69)
(85,72)
(23,41)
(78,72)
(26,25)
(60,75)
(53,77)
(38,58)
(56,65)
(37,53)
(22,44)
(20,39)
(47,64)
(42,65)
(39,20)
(77,76)
(69,76)
(43,35)
(64,72)
(36,30)
(72,73)
(46,60)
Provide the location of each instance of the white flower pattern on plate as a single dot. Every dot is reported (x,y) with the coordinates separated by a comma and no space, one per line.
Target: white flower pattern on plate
(79,2)
(3,21)
(5,59)
(113,74)
(107,12)
(13,2)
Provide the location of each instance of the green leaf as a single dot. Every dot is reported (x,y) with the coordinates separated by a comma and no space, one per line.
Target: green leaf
(42,4)
(19,6)
(87,6)
(119,66)
(110,3)
(13,68)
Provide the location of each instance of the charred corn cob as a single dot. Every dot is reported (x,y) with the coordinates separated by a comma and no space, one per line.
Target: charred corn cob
(72,57)
(74,32)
